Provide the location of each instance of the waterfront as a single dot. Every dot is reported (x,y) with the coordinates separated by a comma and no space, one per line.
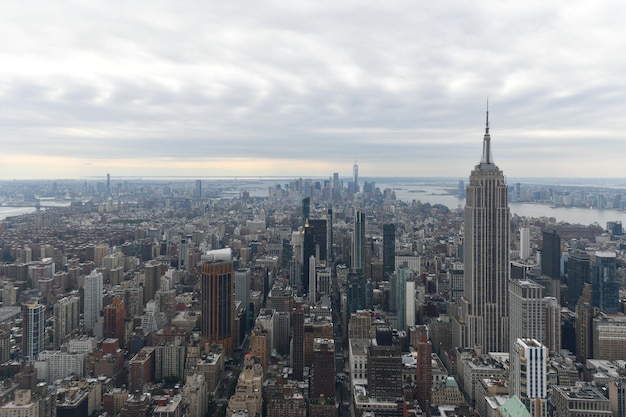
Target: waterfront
(441,194)
(14,211)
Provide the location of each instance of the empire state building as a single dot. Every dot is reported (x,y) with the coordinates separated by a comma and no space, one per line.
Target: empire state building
(486,252)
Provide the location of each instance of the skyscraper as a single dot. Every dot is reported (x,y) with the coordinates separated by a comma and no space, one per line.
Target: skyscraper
(355,175)
(551,262)
(524,243)
(330,258)
(33,324)
(486,255)
(605,285)
(578,274)
(424,350)
(308,251)
(358,242)
(551,254)
(527,318)
(297,350)
(306,210)
(389,249)
(217,303)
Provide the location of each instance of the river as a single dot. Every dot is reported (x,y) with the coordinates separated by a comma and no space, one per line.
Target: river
(435,194)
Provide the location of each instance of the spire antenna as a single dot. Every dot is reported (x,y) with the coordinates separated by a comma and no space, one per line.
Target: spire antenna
(486,159)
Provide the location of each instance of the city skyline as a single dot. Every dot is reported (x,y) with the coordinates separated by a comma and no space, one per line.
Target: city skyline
(284,89)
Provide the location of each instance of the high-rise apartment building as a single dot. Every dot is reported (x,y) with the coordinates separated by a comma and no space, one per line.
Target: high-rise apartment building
(524,243)
(66,317)
(33,325)
(486,255)
(93,299)
(529,380)
(217,283)
(114,315)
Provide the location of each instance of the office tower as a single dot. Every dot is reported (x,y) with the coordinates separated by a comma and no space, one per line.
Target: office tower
(33,325)
(389,249)
(553,324)
(320,232)
(398,296)
(524,243)
(108,185)
(585,312)
(551,261)
(486,255)
(529,380)
(424,350)
(358,242)
(297,349)
(306,210)
(527,311)
(218,303)
(605,285)
(578,274)
(99,252)
(66,316)
(308,251)
(114,315)
(323,368)
(93,299)
(356,292)
(551,253)
(384,371)
(461,189)
(330,257)
(282,320)
(355,175)
(242,287)
(197,192)
(614,227)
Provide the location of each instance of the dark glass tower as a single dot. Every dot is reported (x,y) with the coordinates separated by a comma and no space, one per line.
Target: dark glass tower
(551,254)
(578,273)
(389,249)
(605,285)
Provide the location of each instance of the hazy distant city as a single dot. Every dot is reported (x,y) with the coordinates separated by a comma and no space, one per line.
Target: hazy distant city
(343,295)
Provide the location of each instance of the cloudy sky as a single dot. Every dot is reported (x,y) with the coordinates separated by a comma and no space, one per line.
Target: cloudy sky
(268,88)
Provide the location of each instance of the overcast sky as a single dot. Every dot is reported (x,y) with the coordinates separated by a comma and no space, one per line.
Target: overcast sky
(305,88)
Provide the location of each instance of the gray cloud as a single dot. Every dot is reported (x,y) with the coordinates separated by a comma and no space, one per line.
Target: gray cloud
(401,84)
